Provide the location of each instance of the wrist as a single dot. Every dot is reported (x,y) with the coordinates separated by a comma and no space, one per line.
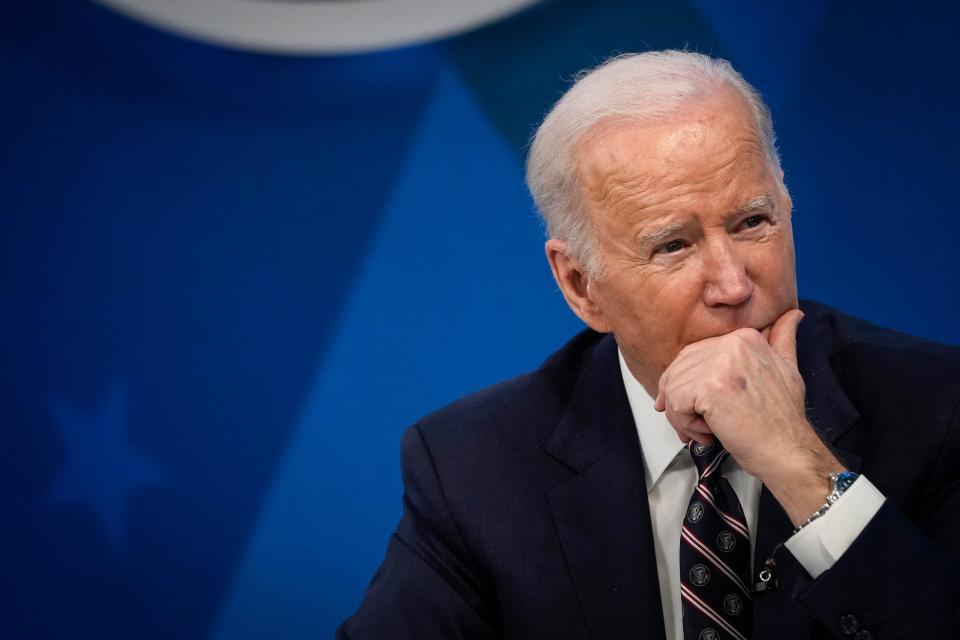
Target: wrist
(803,484)
(839,483)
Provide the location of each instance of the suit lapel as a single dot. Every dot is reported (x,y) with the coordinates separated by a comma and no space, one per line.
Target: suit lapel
(601,513)
(828,407)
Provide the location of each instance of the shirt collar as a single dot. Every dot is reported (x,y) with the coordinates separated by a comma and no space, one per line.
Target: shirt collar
(659,443)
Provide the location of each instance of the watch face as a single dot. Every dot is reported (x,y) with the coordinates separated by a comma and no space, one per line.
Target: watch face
(845,479)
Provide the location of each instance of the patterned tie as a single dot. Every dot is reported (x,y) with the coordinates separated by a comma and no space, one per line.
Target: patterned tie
(714,555)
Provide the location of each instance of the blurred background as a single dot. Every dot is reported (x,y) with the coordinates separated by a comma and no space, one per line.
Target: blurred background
(245,243)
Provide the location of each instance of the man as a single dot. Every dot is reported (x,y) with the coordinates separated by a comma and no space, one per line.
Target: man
(818,493)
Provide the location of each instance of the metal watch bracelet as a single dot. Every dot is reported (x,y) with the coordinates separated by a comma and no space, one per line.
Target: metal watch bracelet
(839,483)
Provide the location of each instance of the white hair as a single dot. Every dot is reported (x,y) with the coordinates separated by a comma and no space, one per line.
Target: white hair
(644,87)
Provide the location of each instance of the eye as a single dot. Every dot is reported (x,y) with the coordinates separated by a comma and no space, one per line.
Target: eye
(754,221)
(671,247)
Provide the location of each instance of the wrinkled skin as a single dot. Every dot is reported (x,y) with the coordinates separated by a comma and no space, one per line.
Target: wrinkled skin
(694,233)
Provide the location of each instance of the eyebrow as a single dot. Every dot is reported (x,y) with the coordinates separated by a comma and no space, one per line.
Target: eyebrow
(659,235)
(762,202)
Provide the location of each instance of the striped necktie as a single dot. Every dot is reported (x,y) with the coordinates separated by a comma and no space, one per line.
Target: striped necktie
(714,555)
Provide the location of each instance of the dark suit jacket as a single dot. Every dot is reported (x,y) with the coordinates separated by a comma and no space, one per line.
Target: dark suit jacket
(526,516)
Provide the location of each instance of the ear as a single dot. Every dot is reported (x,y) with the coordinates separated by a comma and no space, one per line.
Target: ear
(578,288)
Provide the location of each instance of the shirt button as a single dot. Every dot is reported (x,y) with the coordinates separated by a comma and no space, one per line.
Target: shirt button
(849,625)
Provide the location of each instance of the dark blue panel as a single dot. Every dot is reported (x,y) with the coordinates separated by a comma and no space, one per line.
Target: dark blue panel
(454,295)
(869,139)
(180,227)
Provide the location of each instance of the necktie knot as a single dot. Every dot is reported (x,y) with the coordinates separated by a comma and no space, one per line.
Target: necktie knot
(707,457)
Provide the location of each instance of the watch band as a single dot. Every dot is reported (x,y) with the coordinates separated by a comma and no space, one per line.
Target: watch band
(839,483)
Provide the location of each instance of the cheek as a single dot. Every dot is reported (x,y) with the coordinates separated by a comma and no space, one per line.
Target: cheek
(666,307)
(774,265)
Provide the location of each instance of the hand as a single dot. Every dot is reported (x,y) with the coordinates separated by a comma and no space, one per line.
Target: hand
(746,390)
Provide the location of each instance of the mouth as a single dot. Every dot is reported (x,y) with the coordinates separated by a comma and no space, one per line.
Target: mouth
(763,327)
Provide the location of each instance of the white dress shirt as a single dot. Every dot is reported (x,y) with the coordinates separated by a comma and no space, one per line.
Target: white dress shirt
(671,478)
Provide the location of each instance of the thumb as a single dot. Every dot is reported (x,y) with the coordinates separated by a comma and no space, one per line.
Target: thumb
(783,335)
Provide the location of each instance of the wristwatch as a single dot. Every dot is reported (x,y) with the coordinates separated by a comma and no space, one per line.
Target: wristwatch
(839,483)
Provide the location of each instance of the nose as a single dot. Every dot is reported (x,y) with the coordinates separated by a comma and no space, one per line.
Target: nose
(726,282)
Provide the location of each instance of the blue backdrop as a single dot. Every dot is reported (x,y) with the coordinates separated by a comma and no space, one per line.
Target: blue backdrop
(230,279)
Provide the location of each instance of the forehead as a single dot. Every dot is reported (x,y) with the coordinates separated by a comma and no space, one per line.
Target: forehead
(710,146)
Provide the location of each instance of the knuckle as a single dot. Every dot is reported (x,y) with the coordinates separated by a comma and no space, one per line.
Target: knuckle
(663,383)
(750,336)
(717,384)
(673,406)
(740,345)
(726,361)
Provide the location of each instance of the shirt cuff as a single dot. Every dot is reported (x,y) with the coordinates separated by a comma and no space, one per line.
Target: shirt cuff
(821,543)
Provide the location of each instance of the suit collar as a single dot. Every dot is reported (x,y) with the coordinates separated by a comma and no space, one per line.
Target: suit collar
(828,407)
(597,411)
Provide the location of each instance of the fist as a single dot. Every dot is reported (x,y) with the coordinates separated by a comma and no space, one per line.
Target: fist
(743,388)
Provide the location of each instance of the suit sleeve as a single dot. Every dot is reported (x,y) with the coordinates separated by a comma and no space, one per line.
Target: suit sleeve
(429,584)
(900,578)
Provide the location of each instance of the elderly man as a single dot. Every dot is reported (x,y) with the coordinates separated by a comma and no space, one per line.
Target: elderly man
(699,463)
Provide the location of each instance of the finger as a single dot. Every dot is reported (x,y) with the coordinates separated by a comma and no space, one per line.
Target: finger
(783,335)
(687,362)
(695,361)
(704,439)
(697,430)
(683,417)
